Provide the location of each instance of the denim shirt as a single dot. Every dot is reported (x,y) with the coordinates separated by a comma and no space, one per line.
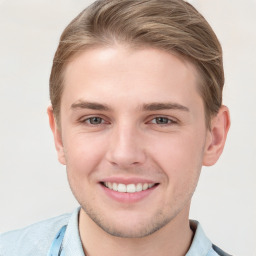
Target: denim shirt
(36,239)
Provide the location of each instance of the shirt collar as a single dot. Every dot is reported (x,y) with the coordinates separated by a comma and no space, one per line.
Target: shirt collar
(201,245)
(72,243)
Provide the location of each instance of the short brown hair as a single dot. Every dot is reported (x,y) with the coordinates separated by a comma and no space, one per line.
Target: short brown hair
(174,26)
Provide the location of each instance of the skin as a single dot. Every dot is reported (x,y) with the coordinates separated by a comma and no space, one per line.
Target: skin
(152,127)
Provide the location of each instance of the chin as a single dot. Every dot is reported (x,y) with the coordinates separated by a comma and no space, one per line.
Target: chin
(132,226)
(129,232)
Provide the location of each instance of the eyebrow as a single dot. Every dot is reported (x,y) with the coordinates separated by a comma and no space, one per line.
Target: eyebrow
(164,106)
(90,105)
(145,107)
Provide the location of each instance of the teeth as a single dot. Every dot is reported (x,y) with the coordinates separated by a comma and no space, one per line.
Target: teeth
(121,188)
(110,185)
(139,187)
(130,188)
(115,186)
(145,186)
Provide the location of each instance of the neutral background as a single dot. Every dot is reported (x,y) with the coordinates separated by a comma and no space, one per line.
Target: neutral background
(33,184)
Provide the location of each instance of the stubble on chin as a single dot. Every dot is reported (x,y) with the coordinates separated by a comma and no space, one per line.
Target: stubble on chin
(140,230)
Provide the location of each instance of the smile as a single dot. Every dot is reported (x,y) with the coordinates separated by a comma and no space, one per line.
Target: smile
(130,188)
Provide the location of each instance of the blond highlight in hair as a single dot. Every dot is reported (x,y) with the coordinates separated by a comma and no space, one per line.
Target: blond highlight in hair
(174,26)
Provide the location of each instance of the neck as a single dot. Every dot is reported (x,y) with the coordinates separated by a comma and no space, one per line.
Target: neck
(174,239)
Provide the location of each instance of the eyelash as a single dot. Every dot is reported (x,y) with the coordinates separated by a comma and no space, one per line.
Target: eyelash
(88,120)
(167,121)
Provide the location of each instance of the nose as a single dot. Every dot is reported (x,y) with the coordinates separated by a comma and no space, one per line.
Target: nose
(126,147)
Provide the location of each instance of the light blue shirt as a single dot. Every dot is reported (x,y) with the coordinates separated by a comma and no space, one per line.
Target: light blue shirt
(36,239)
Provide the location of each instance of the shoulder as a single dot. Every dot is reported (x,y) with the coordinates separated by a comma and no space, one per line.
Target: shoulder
(32,240)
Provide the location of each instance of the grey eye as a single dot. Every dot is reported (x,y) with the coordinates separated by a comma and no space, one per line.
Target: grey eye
(95,120)
(162,120)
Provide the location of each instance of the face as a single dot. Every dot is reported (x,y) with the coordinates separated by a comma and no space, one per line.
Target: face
(133,137)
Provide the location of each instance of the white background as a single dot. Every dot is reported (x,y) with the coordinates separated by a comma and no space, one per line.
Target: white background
(33,184)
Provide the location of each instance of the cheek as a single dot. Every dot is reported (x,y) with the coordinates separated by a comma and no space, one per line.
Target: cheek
(83,154)
(180,157)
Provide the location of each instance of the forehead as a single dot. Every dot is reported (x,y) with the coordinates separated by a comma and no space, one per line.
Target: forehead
(138,75)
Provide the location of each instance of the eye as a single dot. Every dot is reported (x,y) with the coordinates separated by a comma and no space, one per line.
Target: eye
(94,123)
(95,120)
(162,120)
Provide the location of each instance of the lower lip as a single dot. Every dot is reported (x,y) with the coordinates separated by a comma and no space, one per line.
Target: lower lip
(128,197)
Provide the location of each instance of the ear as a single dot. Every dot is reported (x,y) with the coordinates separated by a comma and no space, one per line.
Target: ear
(216,137)
(57,136)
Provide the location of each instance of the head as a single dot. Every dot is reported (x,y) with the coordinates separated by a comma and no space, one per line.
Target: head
(173,26)
(136,101)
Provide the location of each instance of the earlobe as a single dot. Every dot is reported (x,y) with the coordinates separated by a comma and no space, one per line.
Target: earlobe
(217,136)
(57,136)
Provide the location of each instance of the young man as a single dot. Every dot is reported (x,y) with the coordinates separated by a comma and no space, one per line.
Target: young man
(136,92)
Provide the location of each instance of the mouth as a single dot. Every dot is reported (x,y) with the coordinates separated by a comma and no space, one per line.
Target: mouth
(129,188)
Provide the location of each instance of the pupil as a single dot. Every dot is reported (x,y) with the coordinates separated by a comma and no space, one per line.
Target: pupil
(95,120)
(162,120)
